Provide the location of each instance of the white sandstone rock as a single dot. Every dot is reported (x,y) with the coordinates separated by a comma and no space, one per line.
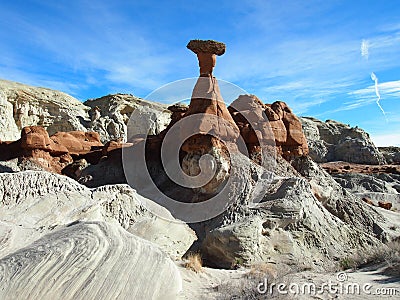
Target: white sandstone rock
(115,111)
(89,260)
(334,141)
(288,226)
(22,105)
(34,203)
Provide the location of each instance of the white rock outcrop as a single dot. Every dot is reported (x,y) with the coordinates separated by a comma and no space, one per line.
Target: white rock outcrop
(110,115)
(37,199)
(22,105)
(107,242)
(307,220)
(335,141)
(89,260)
(288,226)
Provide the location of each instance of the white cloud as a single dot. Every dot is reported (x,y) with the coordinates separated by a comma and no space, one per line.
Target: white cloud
(377,92)
(364,49)
(26,78)
(366,96)
(110,50)
(389,88)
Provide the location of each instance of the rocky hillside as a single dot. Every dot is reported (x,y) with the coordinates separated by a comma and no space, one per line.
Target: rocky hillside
(22,105)
(391,154)
(335,141)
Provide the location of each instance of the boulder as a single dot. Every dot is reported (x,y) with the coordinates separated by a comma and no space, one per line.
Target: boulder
(368,201)
(385,205)
(77,142)
(178,112)
(194,165)
(51,153)
(35,137)
(74,170)
(206,46)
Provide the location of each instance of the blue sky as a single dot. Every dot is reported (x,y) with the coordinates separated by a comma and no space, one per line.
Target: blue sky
(318,56)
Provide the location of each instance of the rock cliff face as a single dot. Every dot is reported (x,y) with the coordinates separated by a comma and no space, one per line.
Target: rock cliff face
(391,154)
(22,105)
(110,114)
(334,141)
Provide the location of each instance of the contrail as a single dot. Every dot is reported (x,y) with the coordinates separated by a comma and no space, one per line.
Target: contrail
(375,79)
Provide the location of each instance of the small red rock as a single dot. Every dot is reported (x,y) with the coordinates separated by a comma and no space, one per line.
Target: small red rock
(385,205)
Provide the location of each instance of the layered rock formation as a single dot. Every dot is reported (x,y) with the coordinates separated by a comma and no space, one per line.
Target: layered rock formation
(207,125)
(110,114)
(89,260)
(108,239)
(22,105)
(334,141)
